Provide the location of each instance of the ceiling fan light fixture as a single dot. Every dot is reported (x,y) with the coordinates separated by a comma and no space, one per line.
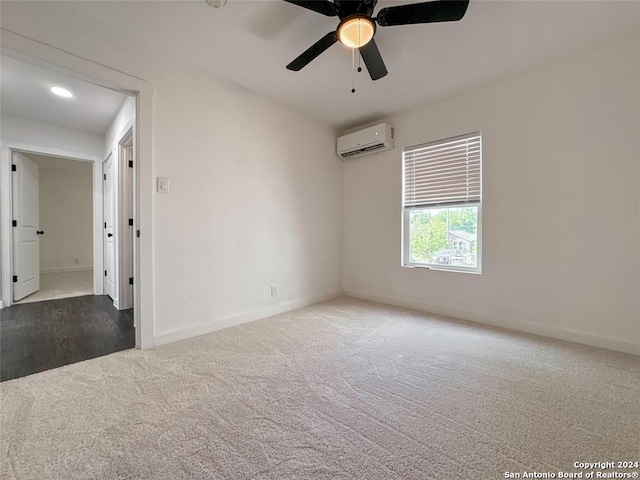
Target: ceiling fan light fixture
(356,31)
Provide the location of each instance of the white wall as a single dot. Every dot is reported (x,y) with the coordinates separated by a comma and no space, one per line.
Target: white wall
(66,216)
(561,215)
(45,135)
(255,188)
(255,200)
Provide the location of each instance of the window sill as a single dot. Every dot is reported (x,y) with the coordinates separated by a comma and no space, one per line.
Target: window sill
(442,269)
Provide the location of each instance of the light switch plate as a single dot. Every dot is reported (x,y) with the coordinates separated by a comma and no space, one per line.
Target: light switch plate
(162,185)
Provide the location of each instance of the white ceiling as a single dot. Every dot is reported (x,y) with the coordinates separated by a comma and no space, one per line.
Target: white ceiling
(250,42)
(25,93)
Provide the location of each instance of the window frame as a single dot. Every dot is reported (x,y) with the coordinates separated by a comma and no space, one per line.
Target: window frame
(406,219)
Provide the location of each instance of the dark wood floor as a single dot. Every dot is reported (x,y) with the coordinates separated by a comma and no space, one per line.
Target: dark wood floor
(44,335)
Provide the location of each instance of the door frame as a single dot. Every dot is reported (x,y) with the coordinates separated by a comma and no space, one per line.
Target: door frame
(7,148)
(32,51)
(125,210)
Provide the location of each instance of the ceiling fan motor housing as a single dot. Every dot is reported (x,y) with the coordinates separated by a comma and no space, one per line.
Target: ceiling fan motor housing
(347,8)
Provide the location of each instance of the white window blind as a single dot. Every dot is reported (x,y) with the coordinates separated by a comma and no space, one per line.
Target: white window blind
(445,172)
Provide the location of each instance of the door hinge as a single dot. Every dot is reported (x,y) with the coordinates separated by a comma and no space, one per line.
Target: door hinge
(130,163)
(14,223)
(138,233)
(15,278)
(105,273)
(104,176)
(14,168)
(105,224)
(131,222)
(130,280)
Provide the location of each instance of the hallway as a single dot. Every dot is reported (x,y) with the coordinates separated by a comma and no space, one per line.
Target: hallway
(43,335)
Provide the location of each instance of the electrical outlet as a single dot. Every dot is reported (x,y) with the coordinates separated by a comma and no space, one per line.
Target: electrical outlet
(274,290)
(76,260)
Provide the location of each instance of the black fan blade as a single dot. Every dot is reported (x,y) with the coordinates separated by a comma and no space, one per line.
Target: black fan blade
(373,60)
(321,6)
(427,12)
(313,51)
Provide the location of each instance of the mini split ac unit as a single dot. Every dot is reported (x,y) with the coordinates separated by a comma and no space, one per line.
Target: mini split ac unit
(378,138)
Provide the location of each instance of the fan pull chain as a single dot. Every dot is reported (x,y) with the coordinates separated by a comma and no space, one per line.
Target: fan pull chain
(359,56)
(353,70)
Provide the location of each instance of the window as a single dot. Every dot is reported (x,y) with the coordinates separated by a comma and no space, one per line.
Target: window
(442,203)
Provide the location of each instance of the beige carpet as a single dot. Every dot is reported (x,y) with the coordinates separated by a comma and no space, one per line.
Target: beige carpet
(343,389)
(56,285)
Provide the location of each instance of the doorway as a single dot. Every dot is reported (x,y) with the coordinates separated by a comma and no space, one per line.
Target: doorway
(53,235)
(19,47)
(126,243)
(62,196)
(119,221)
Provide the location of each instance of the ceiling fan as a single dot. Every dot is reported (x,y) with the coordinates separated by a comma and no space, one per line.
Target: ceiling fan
(357,26)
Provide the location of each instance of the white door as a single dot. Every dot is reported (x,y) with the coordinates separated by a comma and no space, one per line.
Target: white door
(109,228)
(26,215)
(125,222)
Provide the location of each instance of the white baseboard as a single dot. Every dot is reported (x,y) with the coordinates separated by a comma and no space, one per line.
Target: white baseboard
(67,269)
(233,320)
(552,331)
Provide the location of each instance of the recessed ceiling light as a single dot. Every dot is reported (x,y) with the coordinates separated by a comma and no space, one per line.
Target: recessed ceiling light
(61,92)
